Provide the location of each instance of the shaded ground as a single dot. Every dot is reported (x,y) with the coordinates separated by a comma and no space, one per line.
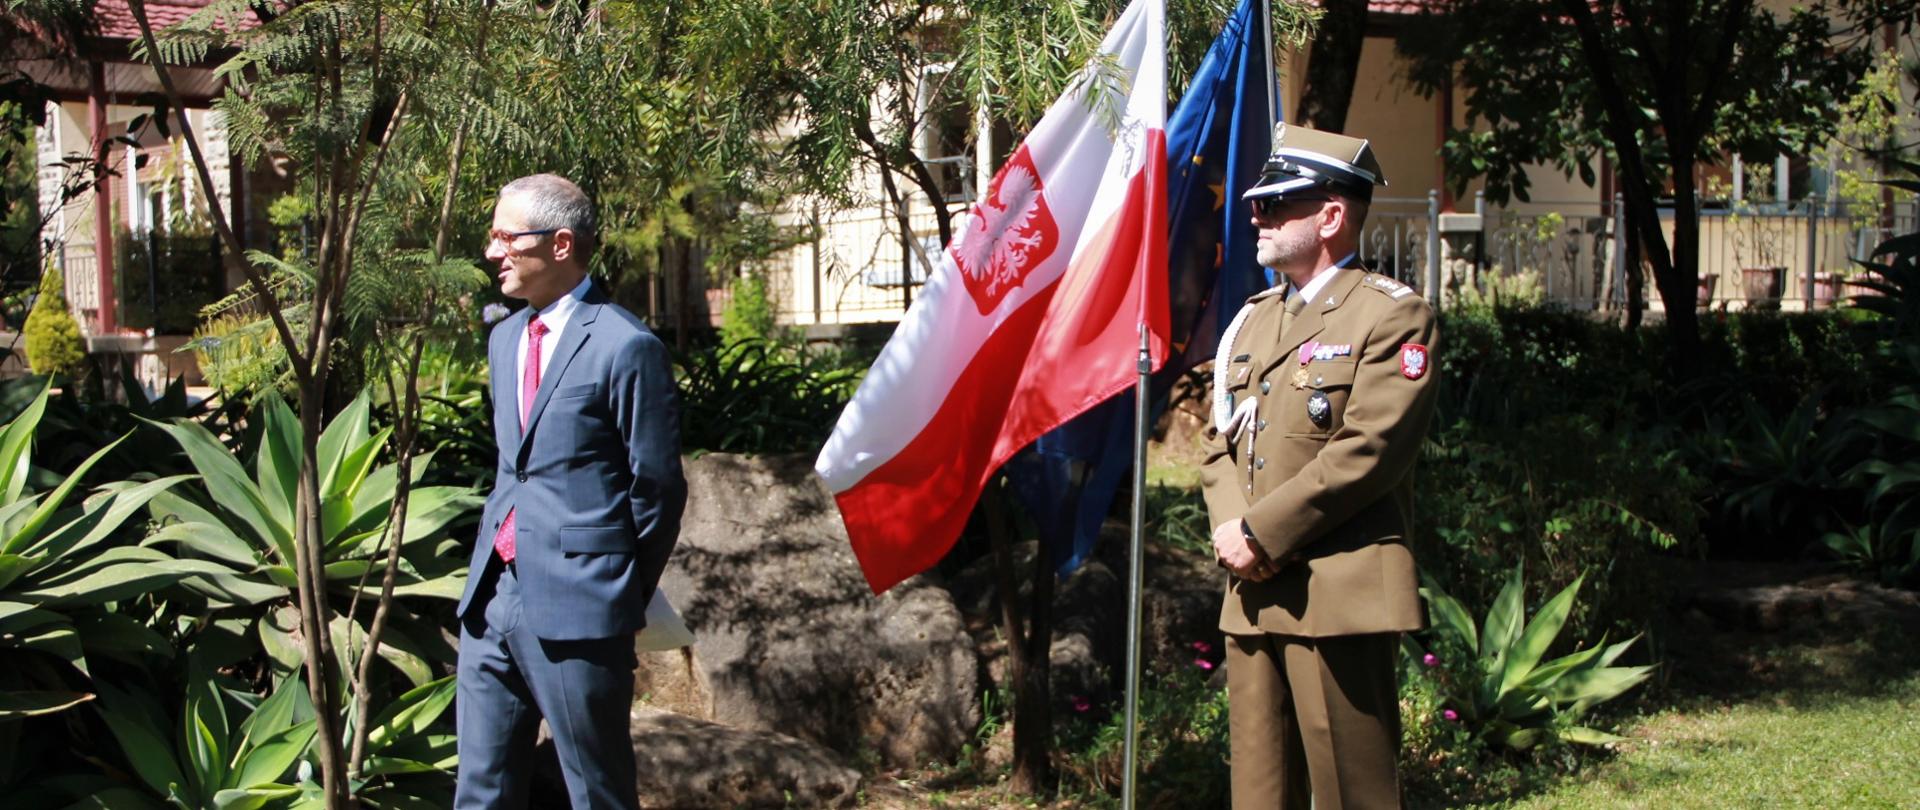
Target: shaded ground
(1782,686)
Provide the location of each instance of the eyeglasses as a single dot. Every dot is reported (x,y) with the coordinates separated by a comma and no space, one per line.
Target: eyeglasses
(1270,207)
(505,238)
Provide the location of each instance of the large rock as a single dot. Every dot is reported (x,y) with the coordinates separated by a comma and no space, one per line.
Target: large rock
(688,764)
(789,637)
(684,763)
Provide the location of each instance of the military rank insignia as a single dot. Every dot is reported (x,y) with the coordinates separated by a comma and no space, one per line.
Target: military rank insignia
(1413,361)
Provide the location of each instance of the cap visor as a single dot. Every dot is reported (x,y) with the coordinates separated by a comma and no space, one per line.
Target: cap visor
(1284,187)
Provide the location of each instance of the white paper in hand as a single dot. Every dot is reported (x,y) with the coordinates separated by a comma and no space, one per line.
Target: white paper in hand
(665,630)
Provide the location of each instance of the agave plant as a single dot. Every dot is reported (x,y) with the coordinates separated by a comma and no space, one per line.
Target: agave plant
(1502,689)
(228,749)
(59,568)
(246,523)
(1887,543)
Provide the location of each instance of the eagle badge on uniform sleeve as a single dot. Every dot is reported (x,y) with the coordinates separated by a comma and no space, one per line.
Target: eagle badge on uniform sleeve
(1413,361)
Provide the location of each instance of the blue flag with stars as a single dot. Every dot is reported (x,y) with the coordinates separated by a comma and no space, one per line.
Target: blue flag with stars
(1217,140)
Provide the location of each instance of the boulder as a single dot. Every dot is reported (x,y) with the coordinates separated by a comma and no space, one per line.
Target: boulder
(790,639)
(687,764)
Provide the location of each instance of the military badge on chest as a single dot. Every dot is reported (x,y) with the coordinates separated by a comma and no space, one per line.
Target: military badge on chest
(1319,409)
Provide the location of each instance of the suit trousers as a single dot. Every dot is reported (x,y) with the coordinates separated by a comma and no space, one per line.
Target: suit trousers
(1313,718)
(509,679)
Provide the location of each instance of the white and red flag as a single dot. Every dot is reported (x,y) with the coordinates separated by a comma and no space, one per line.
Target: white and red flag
(1029,318)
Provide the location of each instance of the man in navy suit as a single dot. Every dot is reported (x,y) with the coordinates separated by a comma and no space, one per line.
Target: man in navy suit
(585,508)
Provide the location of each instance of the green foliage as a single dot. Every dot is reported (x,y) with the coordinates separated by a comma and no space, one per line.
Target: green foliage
(240,355)
(219,746)
(1893,275)
(1778,481)
(1837,468)
(235,343)
(1885,539)
(54,345)
(186,275)
(456,419)
(213,757)
(1493,677)
(1177,517)
(1181,745)
(760,397)
(19,187)
(245,523)
(61,571)
(1869,130)
(1565,494)
(165,656)
(1534,97)
(749,313)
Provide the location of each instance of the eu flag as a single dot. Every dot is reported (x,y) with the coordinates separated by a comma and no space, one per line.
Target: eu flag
(1217,139)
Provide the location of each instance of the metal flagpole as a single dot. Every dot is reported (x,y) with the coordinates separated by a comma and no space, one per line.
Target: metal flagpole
(1135,567)
(1266,38)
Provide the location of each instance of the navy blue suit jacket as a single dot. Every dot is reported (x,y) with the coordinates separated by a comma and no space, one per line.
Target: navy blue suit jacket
(595,475)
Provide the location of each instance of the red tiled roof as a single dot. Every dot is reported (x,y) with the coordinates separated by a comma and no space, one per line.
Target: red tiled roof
(1400,6)
(115,17)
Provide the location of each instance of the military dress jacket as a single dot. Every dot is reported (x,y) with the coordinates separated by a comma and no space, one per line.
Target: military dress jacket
(1320,463)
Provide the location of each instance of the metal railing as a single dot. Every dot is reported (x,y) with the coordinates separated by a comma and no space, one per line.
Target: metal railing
(852,274)
(1570,253)
(80,268)
(1796,254)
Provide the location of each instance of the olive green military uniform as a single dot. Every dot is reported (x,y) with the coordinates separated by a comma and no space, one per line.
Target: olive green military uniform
(1319,466)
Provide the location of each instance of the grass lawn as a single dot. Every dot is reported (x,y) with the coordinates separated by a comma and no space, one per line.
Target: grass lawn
(1821,715)
(1835,750)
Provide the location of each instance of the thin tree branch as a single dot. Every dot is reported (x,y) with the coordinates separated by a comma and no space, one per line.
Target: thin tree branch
(236,252)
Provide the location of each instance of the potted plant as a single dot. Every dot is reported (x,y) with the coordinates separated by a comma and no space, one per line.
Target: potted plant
(1756,249)
(1826,288)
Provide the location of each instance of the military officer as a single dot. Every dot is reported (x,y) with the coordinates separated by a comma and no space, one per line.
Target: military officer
(1322,393)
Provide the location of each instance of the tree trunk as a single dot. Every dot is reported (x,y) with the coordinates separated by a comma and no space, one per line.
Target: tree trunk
(1334,64)
(676,252)
(315,617)
(1029,648)
(1636,279)
(1680,283)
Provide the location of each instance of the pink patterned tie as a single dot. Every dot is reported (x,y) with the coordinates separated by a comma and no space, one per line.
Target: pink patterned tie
(529,388)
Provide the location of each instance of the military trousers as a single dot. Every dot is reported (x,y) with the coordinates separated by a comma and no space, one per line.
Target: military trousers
(1314,722)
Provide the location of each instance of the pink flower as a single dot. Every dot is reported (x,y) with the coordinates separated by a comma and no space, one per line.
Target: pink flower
(1430,660)
(1080,704)
(1451,715)
(1203,663)
(1201,647)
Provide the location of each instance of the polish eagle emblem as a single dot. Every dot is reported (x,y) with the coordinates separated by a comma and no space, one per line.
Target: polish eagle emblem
(1009,233)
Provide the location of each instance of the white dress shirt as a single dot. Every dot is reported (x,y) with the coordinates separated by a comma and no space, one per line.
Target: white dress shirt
(1321,279)
(555,316)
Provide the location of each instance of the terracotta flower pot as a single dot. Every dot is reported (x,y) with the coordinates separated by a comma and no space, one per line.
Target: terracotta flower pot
(1762,283)
(1826,288)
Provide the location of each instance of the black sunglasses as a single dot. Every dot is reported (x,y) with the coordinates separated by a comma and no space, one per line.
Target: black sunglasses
(1270,207)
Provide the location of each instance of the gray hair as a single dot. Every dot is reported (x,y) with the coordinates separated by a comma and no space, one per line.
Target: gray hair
(555,202)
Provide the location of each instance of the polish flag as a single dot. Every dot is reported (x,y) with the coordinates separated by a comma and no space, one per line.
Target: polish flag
(1030,317)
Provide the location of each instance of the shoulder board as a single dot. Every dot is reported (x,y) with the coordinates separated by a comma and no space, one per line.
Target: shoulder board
(1269,292)
(1386,286)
